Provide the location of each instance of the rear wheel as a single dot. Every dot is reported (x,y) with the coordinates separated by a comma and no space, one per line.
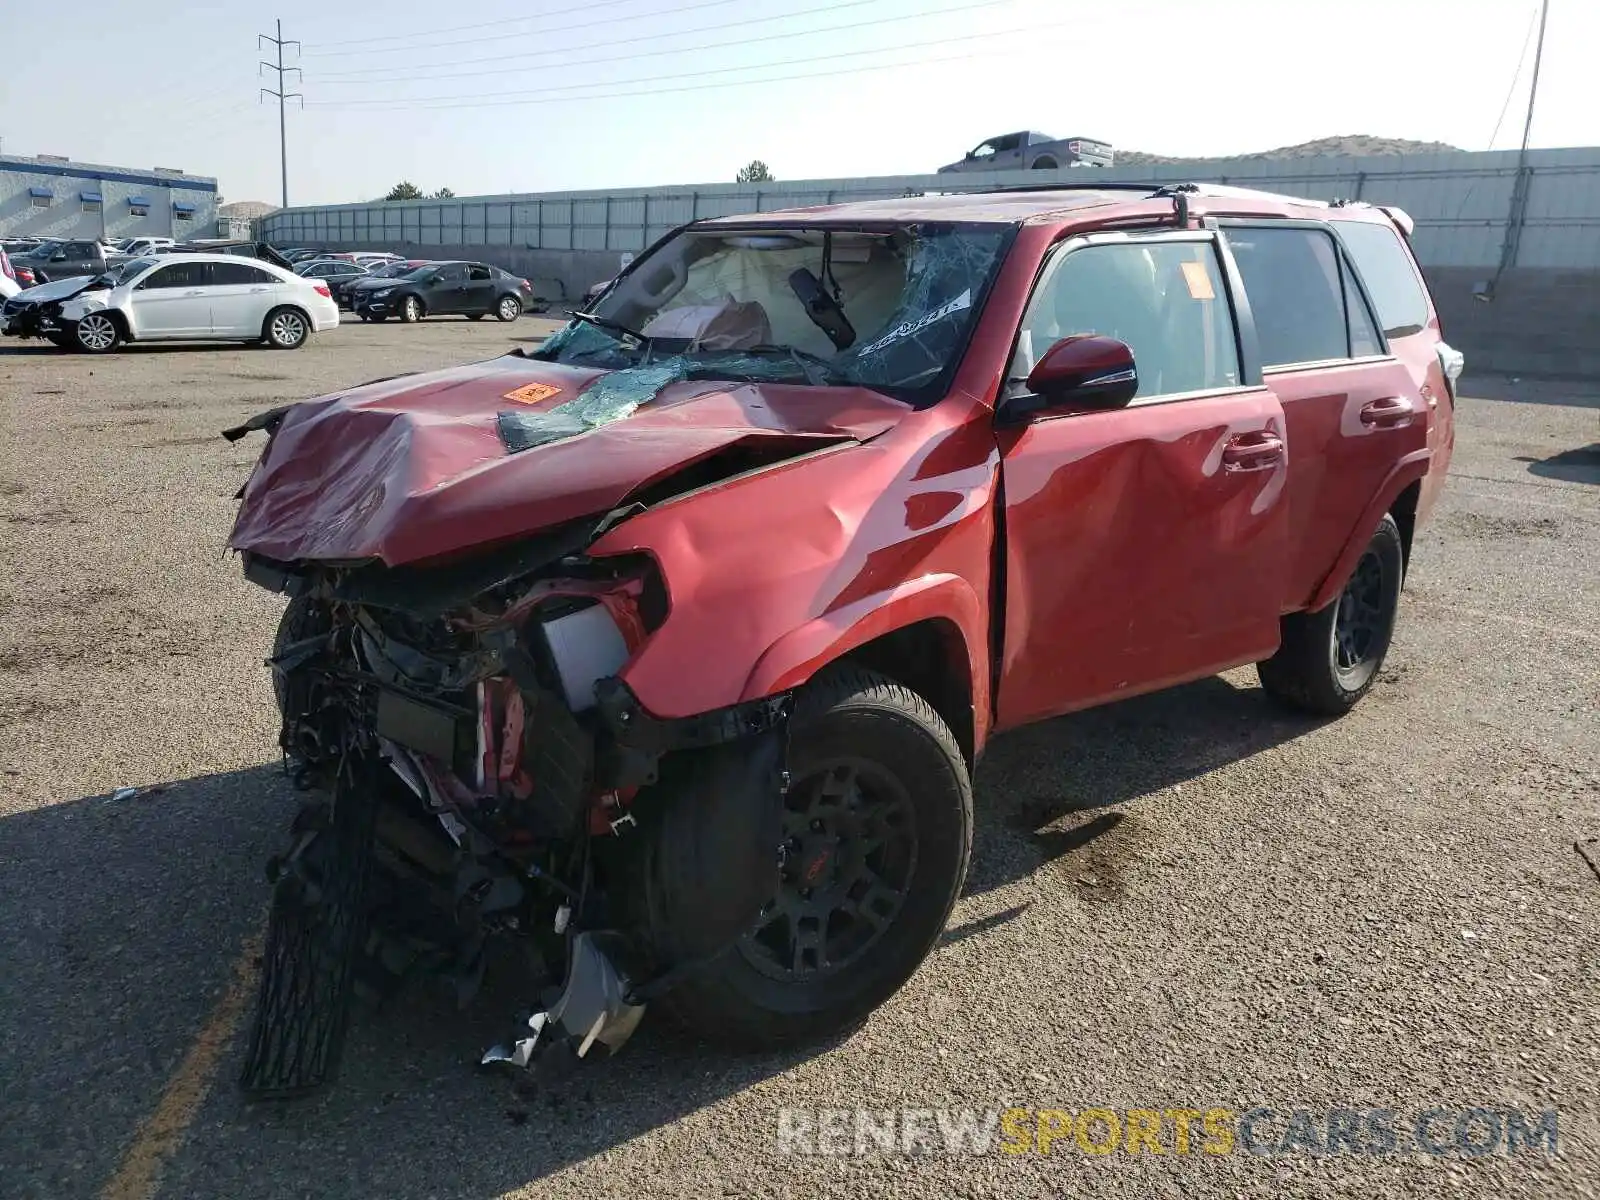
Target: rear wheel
(286,329)
(97,333)
(508,309)
(1328,659)
(876,833)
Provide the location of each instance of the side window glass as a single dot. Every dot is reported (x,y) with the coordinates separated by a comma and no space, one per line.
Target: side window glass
(1292,277)
(477,272)
(224,274)
(1364,339)
(1164,299)
(452,274)
(177,275)
(1386,269)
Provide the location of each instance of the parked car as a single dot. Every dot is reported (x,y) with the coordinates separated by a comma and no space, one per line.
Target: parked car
(175,296)
(9,286)
(469,289)
(67,259)
(241,247)
(693,622)
(373,258)
(302,253)
(1034,151)
(344,290)
(135,247)
(329,269)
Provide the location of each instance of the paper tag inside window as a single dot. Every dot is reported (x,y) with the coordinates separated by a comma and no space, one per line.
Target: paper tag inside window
(1199,280)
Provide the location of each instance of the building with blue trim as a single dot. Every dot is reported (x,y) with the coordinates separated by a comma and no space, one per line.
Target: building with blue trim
(55,197)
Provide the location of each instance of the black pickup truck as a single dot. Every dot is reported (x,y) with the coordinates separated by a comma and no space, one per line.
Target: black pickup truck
(64,260)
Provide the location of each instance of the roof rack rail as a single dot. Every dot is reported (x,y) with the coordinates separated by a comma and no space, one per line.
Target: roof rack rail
(1114,186)
(1178,193)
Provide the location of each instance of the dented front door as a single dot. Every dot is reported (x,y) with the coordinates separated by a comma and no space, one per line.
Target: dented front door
(1145,545)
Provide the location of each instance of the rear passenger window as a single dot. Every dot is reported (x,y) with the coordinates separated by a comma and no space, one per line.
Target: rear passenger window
(228,274)
(476,271)
(1164,299)
(1387,271)
(1292,277)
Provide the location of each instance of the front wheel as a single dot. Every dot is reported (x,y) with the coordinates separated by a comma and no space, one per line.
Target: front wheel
(1328,659)
(876,832)
(97,333)
(410,310)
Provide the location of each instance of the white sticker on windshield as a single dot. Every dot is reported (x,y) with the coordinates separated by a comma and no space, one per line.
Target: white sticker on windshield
(960,303)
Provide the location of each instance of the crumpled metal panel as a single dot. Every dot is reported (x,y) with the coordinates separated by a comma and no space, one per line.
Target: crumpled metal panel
(609,398)
(415,468)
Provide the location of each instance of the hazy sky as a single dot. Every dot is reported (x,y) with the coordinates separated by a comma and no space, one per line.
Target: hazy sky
(499,96)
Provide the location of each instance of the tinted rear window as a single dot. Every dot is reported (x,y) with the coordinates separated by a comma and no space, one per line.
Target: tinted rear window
(1386,269)
(1292,278)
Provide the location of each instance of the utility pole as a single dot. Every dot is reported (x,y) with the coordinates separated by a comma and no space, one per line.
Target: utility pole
(1523,182)
(283,96)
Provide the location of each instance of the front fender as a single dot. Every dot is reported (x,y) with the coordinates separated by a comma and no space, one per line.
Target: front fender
(799,654)
(1407,471)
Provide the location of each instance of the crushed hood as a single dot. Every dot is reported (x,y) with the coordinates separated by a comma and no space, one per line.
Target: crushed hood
(421,466)
(59,289)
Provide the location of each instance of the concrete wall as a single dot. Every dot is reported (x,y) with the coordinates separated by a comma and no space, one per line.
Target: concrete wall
(1543,318)
(68,215)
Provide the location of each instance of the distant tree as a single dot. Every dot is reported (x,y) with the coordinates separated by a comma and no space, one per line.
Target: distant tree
(754,172)
(404,190)
(443,194)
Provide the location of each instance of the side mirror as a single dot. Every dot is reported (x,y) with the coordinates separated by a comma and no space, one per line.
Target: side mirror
(1081,371)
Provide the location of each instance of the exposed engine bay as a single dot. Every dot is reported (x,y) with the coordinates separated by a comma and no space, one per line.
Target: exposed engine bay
(479,774)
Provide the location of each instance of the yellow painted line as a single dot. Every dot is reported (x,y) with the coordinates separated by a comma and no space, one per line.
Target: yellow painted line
(139,1174)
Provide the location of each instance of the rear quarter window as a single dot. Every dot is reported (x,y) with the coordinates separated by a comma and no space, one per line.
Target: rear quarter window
(1391,280)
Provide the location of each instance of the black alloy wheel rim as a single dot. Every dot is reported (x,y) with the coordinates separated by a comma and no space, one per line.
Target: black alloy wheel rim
(1359,624)
(848,855)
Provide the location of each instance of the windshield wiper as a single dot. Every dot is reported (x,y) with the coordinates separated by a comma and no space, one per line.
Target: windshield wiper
(610,326)
(814,367)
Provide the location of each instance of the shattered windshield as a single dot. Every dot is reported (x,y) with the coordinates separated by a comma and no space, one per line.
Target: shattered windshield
(130,271)
(890,310)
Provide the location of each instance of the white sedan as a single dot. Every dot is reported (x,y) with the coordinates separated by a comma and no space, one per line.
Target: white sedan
(221,297)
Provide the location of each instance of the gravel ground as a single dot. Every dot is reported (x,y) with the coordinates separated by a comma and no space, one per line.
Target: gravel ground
(1188,900)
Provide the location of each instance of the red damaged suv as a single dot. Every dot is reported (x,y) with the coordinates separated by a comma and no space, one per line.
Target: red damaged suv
(662,655)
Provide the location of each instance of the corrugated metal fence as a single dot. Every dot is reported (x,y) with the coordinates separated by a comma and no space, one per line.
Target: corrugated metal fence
(1463,205)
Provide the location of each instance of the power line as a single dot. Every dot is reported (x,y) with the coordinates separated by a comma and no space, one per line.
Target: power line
(423,101)
(401,107)
(653,37)
(282,95)
(1533,19)
(431,33)
(578,25)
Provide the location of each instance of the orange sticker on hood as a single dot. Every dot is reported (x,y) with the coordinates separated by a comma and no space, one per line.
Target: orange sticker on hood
(532,393)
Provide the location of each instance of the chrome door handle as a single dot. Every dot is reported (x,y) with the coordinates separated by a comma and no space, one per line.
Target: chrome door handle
(1392,412)
(1258,451)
